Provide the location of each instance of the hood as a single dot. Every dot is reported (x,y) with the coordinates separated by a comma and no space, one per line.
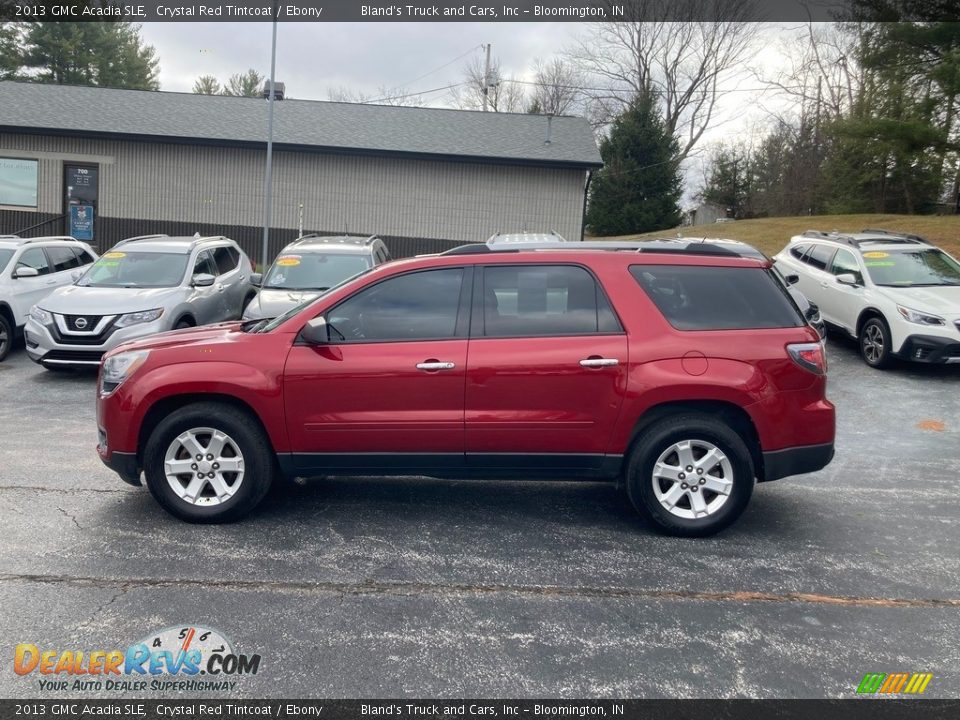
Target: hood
(270,302)
(77,300)
(942,300)
(203,335)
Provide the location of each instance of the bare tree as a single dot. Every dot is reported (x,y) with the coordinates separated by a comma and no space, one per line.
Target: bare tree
(248,84)
(557,87)
(684,63)
(503,93)
(383,96)
(207,85)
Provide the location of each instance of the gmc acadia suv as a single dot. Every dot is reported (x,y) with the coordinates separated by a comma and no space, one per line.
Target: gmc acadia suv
(683,372)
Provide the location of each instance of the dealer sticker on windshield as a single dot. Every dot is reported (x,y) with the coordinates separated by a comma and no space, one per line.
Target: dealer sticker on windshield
(288,261)
(115,255)
(876,254)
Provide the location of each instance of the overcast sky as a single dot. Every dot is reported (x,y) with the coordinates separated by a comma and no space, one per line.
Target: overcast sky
(313,58)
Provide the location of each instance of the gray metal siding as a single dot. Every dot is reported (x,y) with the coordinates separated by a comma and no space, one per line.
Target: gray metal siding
(389,196)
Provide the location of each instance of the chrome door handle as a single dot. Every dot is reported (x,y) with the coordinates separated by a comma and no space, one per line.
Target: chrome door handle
(599,362)
(435,365)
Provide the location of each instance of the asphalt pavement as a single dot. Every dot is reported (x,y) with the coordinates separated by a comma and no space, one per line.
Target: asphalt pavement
(427,588)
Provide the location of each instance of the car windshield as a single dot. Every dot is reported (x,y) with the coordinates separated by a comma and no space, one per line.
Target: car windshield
(5,255)
(911,268)
(136,270)
(265,326)
(313,271)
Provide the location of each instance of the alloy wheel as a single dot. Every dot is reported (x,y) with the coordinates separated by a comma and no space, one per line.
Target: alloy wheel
(873,343)
(692,479)
(204,466)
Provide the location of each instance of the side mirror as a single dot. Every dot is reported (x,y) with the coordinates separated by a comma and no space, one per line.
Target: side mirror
(847,279)
(316,332)
(256,279)
(22,272)
(791,279)
(203,280)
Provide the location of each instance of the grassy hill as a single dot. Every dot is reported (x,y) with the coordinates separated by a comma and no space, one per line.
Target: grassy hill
(771,234)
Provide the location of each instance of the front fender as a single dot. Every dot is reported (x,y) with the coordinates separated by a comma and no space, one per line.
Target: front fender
(260,391)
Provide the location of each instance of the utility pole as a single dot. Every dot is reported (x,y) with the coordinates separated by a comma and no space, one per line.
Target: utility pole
(486,81)
(268,180)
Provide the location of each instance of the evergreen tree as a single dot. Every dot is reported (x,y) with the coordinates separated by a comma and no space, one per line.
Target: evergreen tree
(639,186)
(10,58)
(109,54)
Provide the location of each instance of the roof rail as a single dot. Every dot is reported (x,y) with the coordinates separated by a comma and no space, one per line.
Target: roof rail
(892,233)
(835,236)
(9,237)
(27,241)
(655,245)
(137,238)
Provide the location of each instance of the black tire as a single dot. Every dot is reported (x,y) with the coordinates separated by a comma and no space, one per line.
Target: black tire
(182,324)
(249,439)
(655,441)
(6,337)
(875,343)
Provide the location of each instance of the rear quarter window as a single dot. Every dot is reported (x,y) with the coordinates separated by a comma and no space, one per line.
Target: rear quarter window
(718,298)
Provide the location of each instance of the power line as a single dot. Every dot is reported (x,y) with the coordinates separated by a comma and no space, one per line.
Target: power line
(445,65)
(413,94)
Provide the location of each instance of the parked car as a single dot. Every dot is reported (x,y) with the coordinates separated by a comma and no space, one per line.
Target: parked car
(144,285)
(895,293)
(30,269)
(309,266)
(681,372)
(808,309)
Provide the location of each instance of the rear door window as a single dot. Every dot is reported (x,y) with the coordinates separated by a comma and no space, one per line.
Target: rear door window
(536,300)
(797,251)
(718,298)
(819,257)
(226,259)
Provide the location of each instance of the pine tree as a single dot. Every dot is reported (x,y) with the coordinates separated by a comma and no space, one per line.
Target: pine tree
(109,54)
(639,187)
(10,54)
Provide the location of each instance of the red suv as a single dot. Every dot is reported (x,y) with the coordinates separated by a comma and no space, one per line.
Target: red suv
(682,371)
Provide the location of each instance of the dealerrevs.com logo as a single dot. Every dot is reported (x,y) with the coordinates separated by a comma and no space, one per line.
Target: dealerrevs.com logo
(894,683)
(181,658)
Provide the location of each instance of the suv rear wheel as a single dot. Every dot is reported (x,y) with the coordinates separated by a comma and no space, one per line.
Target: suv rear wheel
(208,463)
(690,475)
(875,343)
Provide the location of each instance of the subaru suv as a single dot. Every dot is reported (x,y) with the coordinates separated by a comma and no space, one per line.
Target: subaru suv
(143,286)
(683,372)
(895,293)
(309,266)
(30,269)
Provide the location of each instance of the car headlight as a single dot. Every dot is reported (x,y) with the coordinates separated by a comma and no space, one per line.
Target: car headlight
(119,367)
(136,318)
(41,315)
(915,316)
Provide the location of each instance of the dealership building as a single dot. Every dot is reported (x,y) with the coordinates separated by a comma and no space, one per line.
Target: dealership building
(105,164)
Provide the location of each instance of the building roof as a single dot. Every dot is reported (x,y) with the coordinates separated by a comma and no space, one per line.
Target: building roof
(298,124)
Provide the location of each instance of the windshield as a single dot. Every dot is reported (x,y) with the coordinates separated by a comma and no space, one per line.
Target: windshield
(911,268)
(313,271)
(5,255)
(136,270)
(264,326)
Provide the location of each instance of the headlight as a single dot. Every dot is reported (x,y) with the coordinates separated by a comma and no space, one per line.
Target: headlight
(119,367)
(40,315)
(920,318)
(138,317)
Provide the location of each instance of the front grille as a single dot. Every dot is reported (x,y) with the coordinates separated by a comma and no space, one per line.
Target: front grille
(82,323)
(74,356)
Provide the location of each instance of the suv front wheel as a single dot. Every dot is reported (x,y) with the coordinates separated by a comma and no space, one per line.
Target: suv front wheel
(208,463)
(690,475)
(875,343)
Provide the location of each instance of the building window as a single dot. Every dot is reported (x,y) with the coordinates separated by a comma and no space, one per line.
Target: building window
(18,182)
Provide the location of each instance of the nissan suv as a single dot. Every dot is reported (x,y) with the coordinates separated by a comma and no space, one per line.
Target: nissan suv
(895,293)
(309,266)
(682,372)
(144,285)
(30,269)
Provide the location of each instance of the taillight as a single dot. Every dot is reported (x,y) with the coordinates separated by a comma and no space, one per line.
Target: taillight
(809,356)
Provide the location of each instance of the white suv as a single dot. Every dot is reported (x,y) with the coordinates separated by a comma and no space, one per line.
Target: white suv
(895,293)
(30,269)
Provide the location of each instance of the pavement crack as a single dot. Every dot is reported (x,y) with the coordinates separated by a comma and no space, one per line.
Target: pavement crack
(64,491)
(69,515)
(373,587)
